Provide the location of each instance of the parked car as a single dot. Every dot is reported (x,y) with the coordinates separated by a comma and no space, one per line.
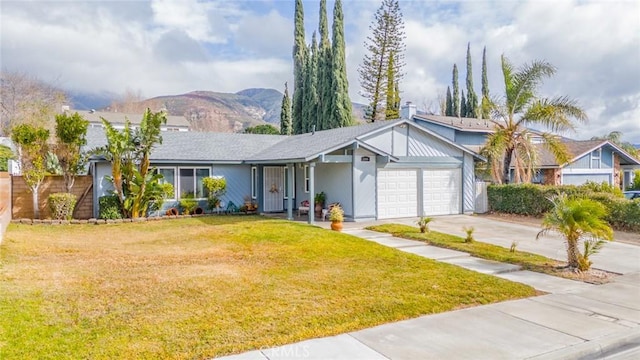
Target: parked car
(632,194)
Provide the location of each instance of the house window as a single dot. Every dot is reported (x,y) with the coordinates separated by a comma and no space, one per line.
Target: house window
(595,158)
(254,182)
(191,181)
(306,178)
(286,182)
(169,177)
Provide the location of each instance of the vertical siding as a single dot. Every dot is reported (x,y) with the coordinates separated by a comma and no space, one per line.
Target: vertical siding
(468,186)
(400,141)
(422,144)
(335,181)
(607,158)
(364,185)
(582,163)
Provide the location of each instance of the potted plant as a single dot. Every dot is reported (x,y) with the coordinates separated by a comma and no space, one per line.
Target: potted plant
(188,203)
(336,216)
(319,201)
(423,223)
(216,187)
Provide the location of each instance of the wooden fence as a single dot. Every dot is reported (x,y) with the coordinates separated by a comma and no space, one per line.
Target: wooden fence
(23,199)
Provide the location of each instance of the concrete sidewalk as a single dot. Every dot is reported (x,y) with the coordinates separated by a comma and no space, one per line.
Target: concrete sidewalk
(575,321)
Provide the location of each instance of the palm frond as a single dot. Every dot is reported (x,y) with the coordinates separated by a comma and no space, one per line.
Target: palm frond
(557,148)
(555,114)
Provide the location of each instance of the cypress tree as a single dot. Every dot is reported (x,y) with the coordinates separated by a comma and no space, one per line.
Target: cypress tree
(449,103)
(299,59)
(340,103)
(472,98)
(386,40)
(463,104)
(324,70)
(391,112)
(456,92)
(285,113)
(310,103)
(485,86)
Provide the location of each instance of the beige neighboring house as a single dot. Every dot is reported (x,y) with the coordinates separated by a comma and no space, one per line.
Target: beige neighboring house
(117,119)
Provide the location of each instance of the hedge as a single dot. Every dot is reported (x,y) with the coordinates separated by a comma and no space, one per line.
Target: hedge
(533,200)
(109,206)
(61,205)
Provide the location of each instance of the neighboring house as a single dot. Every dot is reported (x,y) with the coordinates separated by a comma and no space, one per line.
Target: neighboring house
(174,123)
(594,160)
(387,169)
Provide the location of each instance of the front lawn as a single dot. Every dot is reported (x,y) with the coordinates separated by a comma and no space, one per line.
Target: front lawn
(202,287)
(527,260)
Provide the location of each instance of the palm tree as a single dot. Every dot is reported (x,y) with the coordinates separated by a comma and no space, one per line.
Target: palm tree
(521,108)
(578,220)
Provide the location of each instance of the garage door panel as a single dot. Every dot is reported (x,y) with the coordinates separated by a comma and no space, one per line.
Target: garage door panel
(397,193)
(442,190)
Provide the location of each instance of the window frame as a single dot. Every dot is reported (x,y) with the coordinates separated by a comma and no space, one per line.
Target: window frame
(306,176)
(175,180)
(285,171)
(195,179)
(254,182)
(596,155)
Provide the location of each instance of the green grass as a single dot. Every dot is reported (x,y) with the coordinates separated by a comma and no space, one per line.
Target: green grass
(482,250)
(202,287)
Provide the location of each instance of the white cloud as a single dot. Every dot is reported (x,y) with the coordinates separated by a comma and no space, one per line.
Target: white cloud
(168,47)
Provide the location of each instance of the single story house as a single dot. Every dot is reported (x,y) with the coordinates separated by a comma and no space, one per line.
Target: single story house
(593,160)
(380,170)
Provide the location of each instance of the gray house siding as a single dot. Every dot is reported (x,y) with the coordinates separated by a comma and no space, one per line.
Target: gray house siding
(382,141)
(585,162)
(468,184)
(422,144)
(101,186)
(238,179)
(364,185)
(335,180)
(468,138)
(400,141)
(444,131)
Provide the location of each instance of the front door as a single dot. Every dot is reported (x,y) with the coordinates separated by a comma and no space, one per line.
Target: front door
(273,189)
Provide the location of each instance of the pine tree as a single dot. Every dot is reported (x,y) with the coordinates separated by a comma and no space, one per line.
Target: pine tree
(310,102)
(285,113)
(391,111)
(472,98)
(456,92)
(299,59)
(449,106)
(485,86)
(386,39)
(341,103)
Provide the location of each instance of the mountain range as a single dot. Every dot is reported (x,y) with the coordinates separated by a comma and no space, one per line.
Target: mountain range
(205,110)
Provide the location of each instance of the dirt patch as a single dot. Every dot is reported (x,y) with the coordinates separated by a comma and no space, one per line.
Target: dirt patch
(619,236)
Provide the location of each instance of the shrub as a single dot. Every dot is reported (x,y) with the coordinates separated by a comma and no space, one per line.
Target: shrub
(109,207)
(188,203)
(423,223)
(61,205)
(336,214)
(216,187)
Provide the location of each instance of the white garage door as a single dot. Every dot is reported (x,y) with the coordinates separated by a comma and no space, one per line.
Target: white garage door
(580,179)
(397,193)
(441,191)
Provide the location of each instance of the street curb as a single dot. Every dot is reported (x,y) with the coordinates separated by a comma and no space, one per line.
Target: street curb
(595,349)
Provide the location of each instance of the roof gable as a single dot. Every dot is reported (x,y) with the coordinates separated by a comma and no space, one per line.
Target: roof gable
(580,148)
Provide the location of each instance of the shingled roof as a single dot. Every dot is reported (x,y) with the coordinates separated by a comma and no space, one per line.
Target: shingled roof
(255,148)
(467,124)
(579,148)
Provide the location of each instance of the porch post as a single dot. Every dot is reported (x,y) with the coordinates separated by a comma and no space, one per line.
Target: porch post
(291,168)
(312,212)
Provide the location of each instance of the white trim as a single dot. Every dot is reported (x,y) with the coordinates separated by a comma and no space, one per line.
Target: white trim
(195,178)
(593,156)
(285,174)
(175,179)
(306,175)
(569,171)
(254,182)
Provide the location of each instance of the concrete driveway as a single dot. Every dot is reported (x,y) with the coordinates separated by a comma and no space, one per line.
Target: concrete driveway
(615,257)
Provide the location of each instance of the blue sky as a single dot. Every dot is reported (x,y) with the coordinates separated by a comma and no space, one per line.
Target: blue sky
(162,47)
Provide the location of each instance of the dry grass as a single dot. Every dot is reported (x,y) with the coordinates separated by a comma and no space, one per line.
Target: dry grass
(202,287)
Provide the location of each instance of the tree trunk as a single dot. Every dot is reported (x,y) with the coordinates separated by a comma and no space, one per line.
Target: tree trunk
(36,207)
(572,253)
(506,165)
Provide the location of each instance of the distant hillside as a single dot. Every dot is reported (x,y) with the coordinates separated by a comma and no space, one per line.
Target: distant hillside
(219,112)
